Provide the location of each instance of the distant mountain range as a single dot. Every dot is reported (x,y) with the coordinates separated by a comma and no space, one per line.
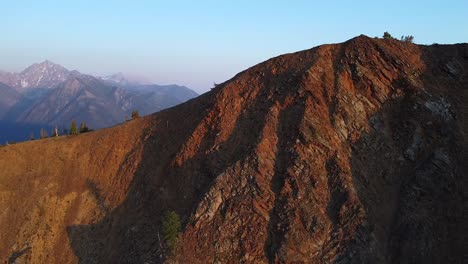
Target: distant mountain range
(48,95)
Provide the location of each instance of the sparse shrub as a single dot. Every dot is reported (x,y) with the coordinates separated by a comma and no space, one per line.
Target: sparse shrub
(408,38)
(84,128)
(31,136)
(135,114)
(171,228)
(387,35)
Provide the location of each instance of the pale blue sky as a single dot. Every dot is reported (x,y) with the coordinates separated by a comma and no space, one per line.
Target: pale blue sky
(196,43)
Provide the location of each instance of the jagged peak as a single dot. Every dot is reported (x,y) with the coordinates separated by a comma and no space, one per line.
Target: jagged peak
(47,62)
(44,66)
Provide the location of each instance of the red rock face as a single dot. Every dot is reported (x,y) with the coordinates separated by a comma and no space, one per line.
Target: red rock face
(346,153)
(335,155)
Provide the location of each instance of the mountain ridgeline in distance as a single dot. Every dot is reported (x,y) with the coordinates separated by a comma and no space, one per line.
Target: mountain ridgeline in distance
(46,95)
(345,153)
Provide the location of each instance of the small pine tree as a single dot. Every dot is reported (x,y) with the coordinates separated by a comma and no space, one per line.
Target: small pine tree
(31,136)
(170,229)
(135,114)
(73,128)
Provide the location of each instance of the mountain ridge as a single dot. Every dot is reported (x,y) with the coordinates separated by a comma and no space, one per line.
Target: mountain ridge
(344,153)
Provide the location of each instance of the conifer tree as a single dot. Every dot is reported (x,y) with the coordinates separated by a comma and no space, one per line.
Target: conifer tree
(135,114)
(171,228)
(387,35)
(73,128)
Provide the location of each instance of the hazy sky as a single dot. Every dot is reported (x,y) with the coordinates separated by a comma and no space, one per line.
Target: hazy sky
(196,43)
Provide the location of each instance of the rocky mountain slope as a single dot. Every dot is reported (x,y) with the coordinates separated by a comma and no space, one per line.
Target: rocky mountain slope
(346,153)
(82,98)
(39,75)
(151,97)
(50,95)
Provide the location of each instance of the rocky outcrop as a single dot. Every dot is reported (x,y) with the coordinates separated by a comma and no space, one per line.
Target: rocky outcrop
(345,153)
